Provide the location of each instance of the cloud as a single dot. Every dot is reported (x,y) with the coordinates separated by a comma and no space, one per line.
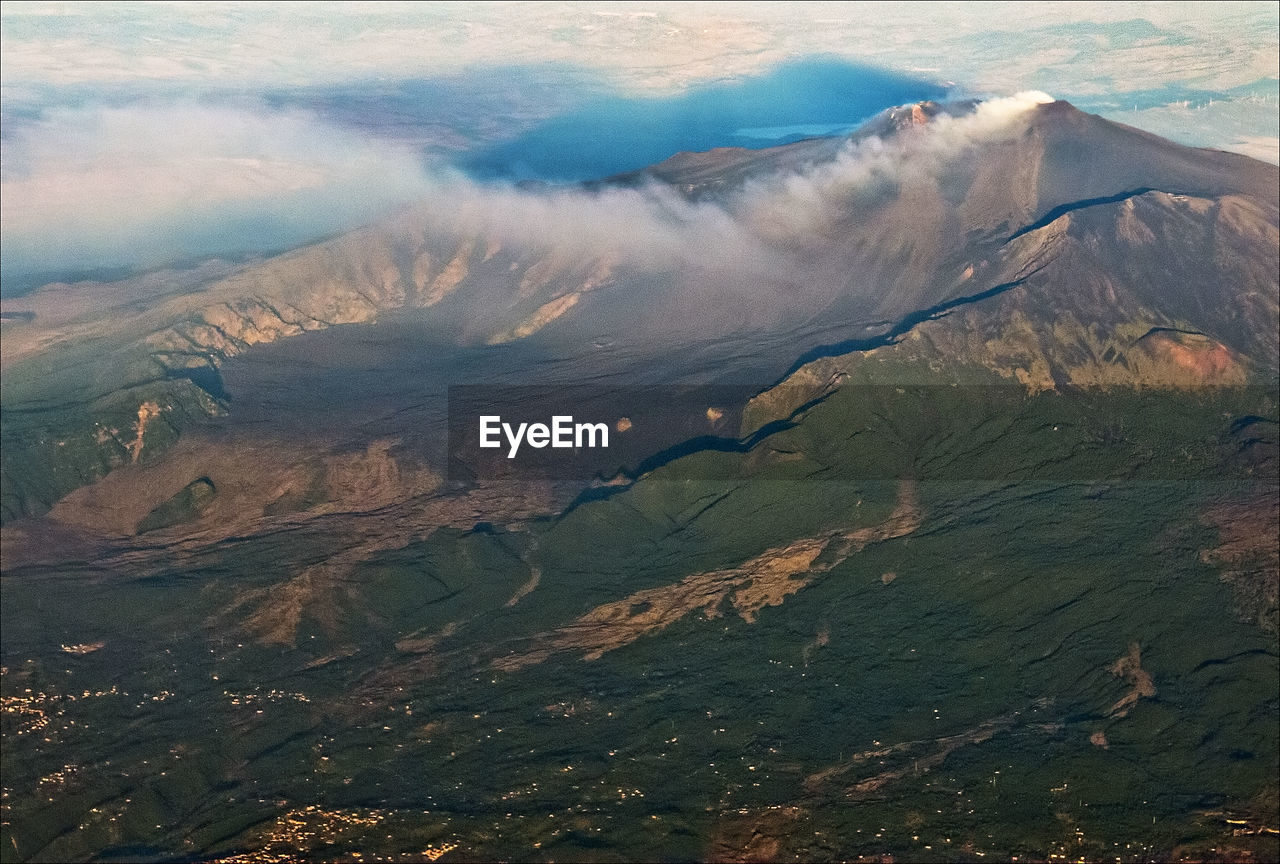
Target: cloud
(143,184)
(651,46)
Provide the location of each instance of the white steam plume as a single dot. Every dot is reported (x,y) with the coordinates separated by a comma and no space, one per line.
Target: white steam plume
(142,185)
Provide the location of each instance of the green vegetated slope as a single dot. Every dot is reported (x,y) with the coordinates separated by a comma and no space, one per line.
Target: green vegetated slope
(927,620)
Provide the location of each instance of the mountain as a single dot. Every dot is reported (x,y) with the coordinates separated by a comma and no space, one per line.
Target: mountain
(944,482)
(1127,251)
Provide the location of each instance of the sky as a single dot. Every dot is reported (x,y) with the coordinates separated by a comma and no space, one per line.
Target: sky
(138,135)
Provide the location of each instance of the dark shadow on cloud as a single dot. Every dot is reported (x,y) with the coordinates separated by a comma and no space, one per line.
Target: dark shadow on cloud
(614,134)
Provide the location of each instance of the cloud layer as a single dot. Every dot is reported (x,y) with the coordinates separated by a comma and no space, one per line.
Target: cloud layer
(143,185)
(1081,47)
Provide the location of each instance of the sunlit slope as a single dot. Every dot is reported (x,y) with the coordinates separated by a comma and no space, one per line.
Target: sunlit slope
(909,619)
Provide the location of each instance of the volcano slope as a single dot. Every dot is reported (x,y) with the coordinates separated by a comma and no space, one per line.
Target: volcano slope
(979,561)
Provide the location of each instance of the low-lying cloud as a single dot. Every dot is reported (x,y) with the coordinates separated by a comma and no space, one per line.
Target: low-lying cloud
(145,185)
